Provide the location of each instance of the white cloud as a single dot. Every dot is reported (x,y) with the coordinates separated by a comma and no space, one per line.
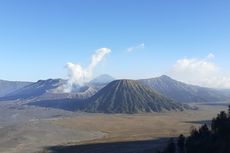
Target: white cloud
(210,56)
(140,46)
(77,75)
(202,72)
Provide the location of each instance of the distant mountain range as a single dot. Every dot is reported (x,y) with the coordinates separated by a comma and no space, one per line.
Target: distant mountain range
(129,96)
(50,89)
(102,94)
(182,92)
(34,90)
(7,87)
(102,80)
(53,89)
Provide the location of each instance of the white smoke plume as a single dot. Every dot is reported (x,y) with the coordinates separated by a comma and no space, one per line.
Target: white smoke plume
(77,75)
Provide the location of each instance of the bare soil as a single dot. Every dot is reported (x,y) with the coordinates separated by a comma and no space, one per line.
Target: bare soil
(29,129)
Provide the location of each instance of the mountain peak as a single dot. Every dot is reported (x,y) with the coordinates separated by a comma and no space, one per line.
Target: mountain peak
(129,96)
(124,81)
(165,77)
(102,79)
(182,92)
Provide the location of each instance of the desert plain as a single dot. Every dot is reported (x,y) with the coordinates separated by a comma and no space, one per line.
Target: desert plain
(32,129)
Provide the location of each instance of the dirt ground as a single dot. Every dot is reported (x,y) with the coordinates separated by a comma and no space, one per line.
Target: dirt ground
(32,129)
(121,127)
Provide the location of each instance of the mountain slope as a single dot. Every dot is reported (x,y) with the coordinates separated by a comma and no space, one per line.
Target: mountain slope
(101,81)
(182,92)
(49,90)
(128,96)
(83,94)
(7,87)
(35,89)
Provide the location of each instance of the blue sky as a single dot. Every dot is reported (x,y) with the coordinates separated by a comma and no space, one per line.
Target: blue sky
(38,37)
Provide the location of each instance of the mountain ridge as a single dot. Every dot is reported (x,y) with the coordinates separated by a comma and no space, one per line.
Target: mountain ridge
(7,87)
(128,96)
(182,92)
(52,89)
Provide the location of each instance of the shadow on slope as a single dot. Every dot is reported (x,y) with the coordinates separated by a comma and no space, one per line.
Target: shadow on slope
(65,104)
(207,122)
(144,146)
(226,103)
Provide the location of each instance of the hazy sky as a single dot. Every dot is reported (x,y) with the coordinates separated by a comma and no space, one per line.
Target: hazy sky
(147,38)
